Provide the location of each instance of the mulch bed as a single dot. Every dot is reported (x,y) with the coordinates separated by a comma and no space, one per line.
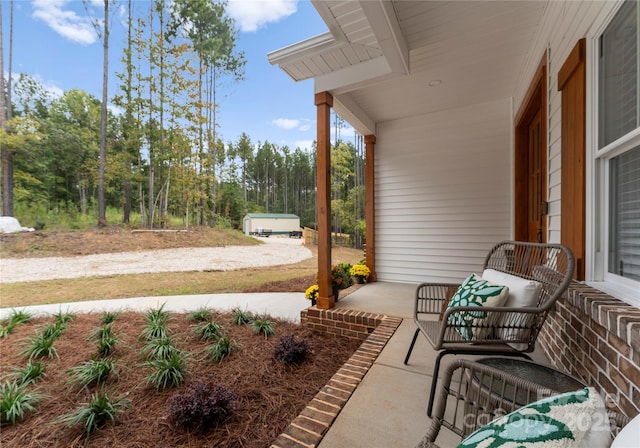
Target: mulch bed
(270,395)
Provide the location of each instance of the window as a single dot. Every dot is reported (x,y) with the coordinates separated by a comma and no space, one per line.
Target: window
(618,151)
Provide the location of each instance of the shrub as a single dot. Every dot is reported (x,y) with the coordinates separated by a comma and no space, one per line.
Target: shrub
(209,330)
(16,401)
(221,349)
(203,405)
(264,326)
(29,373)
(167,372)
(291,350)
(92,372)
(241,317)
(100,408)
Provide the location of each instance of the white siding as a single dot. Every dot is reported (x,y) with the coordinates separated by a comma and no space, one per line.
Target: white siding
(563,25)
(443,192)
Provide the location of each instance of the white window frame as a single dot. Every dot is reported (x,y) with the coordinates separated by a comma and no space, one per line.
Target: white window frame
(597,182)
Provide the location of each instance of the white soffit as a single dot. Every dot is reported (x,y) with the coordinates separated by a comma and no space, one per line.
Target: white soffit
(364,43)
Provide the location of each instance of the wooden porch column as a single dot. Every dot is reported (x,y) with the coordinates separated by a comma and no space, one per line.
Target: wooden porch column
(324,102)
(370,206)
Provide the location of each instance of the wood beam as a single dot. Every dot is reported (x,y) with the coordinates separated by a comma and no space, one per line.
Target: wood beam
(324,102)
(370,209)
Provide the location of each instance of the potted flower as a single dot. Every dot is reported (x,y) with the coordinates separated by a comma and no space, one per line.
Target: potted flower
(340,278)
(311,294)
(360,272)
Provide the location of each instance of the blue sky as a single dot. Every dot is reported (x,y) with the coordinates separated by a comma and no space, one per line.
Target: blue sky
(54,42)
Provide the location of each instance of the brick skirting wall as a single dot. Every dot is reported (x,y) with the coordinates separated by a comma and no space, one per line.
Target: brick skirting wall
(308,428)
(596,338)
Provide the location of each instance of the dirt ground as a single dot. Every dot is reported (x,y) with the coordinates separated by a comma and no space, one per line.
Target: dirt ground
(112,239)
(270,394)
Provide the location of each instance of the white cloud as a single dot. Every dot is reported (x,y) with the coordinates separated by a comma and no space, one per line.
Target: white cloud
(290,124)
(305,145)
(250,15)
(286,123)
(64,21)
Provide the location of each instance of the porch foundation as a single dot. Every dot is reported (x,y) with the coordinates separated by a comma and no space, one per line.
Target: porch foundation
(596,338)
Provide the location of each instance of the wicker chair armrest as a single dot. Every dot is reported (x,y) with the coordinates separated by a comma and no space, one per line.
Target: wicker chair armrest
(432,298)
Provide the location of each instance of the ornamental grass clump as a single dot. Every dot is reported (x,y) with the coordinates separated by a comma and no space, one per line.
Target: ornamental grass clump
(209,330)
(108,317)
(159,348)
(263,326)
(30,373)
(100,409)
(201,407)
(221,349)
(241,317)
(91,373)
(167,372)
(291,350)
(105,339)
(40,347)
(16,401)
(16,318)
(201,315)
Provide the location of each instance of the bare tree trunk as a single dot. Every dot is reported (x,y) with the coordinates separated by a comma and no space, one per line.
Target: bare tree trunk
(5,114)
(102,217)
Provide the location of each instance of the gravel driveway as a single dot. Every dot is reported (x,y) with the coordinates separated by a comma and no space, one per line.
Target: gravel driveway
(276,251)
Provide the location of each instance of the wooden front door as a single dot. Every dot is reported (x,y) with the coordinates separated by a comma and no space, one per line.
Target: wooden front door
(530,221)
(536,197)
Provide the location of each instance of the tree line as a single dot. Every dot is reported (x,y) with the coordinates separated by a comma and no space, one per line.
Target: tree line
(159,152)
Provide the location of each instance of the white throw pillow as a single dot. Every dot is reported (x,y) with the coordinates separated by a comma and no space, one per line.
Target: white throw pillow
(522,292)
(570,420)
(477,292)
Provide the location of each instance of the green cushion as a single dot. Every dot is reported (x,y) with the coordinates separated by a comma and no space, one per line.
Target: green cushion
(572,419)
(477,292)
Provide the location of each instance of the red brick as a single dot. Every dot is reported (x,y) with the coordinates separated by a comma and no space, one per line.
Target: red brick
(630,371)
(302,435)
(608,352)
(618,344)
(322,417)
(339,394)
(618,379)
(590,336)
(324,407)
(284,441)
(312,425)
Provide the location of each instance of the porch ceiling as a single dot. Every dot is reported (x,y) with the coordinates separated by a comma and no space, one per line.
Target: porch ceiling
(379,58)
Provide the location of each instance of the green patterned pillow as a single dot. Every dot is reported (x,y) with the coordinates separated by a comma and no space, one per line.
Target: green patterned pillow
(475,291)
(572,419)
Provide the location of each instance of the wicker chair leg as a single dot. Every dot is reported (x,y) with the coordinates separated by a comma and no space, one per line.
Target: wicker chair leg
(436,371)
(413,342)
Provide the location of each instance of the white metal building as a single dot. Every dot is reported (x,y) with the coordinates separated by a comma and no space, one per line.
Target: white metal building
(278,223)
